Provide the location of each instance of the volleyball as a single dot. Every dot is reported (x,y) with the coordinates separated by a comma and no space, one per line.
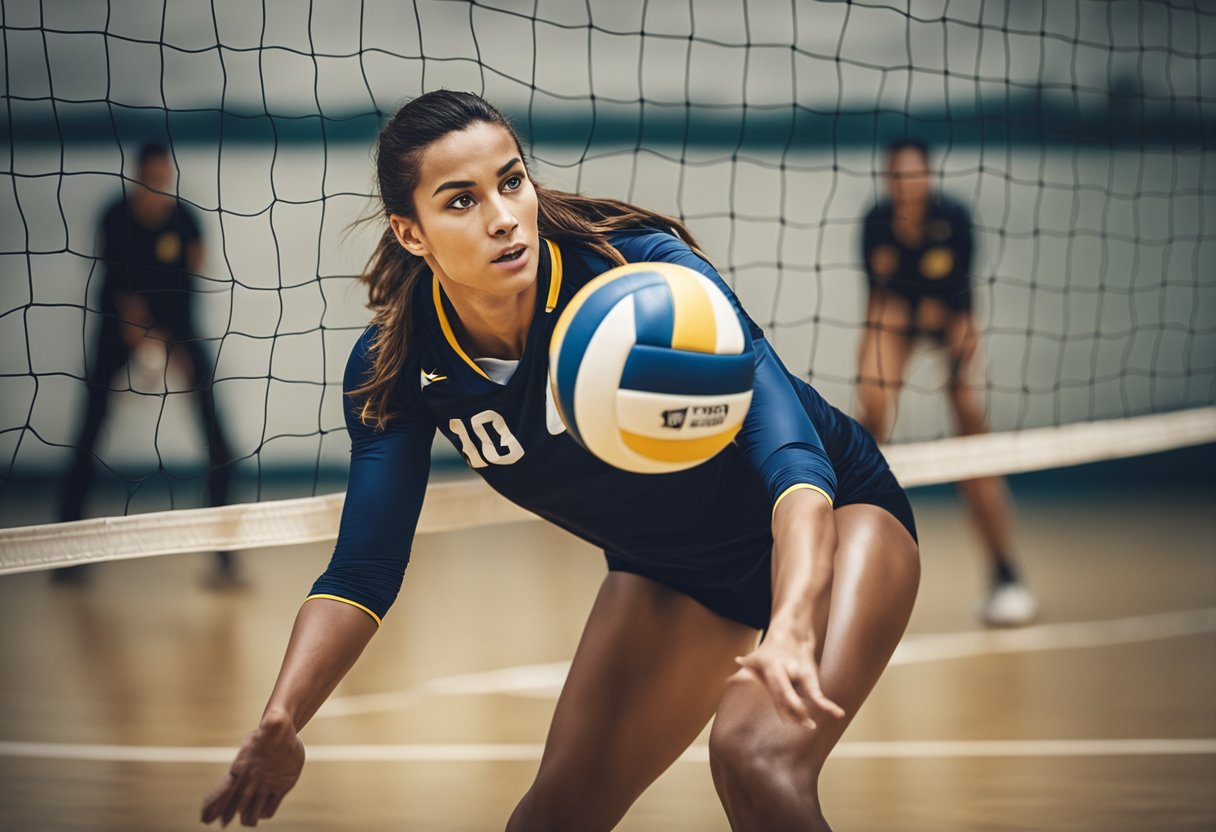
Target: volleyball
(651,368)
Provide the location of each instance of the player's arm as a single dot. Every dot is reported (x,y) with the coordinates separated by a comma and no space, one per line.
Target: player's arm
(134,316)
(786,450)
(196,252)
(388,476)
(782,445)
(869,241)
(964,248)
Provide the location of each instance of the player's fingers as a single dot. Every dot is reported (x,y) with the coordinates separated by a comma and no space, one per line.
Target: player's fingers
(796,677)
(251,812)
(806,682)
(787,699)
(214,802)
(272,804)
(821,699)
(233,804)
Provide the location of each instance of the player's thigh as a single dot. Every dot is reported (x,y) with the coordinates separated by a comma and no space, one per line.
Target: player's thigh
(882,358)
(885,344)
(648,673)
(965,375)
(961,339)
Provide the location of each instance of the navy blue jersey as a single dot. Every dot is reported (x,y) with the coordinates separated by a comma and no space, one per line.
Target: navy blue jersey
(151,261)
(937,267)
(706,526)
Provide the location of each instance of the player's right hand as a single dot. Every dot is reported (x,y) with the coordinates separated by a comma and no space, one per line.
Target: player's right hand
(266,767)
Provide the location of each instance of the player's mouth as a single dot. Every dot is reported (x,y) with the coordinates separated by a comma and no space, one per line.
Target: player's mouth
(511,255)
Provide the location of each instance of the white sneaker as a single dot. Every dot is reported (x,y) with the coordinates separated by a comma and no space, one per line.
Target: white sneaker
(1008,605)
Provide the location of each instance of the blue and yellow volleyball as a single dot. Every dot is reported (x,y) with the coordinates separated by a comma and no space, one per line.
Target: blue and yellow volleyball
(651,368)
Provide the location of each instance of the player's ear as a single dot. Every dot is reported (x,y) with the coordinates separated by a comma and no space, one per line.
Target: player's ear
(406,232)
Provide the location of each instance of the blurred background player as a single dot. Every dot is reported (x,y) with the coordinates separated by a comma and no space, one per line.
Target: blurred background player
(150,246)
(917,251)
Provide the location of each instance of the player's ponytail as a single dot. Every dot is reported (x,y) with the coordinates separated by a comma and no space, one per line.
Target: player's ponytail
(587,220)
(391,275)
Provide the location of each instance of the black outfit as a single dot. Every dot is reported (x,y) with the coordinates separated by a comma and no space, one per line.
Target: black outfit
(938,268)
(151,263)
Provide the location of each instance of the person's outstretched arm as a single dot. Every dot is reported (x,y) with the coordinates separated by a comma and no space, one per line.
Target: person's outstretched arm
(327,638)
(388,477)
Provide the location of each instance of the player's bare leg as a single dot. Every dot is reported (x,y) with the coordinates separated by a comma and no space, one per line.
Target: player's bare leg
(766,769)
(884,352)
(1008,602)
(648,673)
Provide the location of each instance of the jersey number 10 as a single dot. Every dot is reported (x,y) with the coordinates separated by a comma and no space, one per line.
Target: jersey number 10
(491,453)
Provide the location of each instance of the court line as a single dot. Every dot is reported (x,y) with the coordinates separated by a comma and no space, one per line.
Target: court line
(531,752)
(545,680)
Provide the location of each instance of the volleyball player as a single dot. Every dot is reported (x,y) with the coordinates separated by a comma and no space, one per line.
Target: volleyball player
(798,528)
(150,247)
(917,250)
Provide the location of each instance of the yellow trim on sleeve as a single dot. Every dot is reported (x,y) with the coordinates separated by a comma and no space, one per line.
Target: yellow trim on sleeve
(375,617)
(797,487)
(446,326)
(555,276)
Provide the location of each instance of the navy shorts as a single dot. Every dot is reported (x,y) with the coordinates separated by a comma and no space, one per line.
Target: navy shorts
(749,598)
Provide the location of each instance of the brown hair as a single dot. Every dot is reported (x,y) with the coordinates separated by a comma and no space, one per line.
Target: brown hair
(392,273)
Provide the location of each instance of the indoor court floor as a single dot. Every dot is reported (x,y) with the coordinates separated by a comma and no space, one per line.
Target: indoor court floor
(120,700)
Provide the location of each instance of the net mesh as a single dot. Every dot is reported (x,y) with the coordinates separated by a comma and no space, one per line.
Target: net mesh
(1075,132)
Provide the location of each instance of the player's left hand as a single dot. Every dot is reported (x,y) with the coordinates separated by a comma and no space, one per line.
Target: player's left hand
(266,767)
(785,664)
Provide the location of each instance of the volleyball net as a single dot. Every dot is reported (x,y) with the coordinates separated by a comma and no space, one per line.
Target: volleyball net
(1074,132)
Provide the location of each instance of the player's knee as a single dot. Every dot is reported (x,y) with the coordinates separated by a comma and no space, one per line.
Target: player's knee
(747,758)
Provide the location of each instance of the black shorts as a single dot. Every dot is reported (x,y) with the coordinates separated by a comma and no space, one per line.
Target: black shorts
(749,599)
(955,295)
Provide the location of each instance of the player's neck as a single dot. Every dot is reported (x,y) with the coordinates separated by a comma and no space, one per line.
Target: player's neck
(490,326)
(149,207)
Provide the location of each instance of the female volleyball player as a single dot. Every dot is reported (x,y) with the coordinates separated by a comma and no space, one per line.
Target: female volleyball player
(917,251)
(798,528)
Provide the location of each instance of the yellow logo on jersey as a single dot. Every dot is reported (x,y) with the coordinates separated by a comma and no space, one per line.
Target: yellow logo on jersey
(431,377)
(168,247)
(937,263)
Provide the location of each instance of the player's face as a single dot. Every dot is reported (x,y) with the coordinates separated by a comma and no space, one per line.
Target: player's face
(908,178)
(156,173)
(475,212)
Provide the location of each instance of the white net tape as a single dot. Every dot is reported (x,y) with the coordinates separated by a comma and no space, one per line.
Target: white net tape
(469,502)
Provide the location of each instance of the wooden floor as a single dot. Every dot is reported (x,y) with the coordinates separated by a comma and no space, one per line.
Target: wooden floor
(119,699)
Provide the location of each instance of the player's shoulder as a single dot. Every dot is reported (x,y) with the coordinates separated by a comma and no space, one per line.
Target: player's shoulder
(361,358)
(879,212)
(648,244)
(115,211)
(363,351)
(187,217)
(360,366)
(947,207)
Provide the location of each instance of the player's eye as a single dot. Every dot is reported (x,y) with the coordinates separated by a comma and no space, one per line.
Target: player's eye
(513,183)
(461,202)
